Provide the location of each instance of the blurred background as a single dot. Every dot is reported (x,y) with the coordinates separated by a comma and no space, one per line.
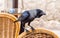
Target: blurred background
(51,7)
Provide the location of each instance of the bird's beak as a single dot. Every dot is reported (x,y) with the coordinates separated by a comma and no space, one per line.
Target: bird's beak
(44,13)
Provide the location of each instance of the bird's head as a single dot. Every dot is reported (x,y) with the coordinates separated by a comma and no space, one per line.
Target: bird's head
(40,13)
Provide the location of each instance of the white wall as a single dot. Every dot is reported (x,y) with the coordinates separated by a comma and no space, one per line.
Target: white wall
(1,5)
(6,4)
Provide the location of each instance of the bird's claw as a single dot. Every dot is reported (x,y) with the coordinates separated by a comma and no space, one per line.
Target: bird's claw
(26,30)
(32,28)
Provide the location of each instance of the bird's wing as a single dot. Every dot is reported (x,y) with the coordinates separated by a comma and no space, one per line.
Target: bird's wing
(24,16)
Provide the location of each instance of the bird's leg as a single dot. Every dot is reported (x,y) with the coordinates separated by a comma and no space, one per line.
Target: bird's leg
(23,28)
(30,26)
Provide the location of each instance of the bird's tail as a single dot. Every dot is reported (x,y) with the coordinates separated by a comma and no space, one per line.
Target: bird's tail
(16,21)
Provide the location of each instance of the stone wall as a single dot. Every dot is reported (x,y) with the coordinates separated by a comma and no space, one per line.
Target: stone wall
(50,7)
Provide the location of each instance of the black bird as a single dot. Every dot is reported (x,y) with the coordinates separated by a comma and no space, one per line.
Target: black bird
(28,16)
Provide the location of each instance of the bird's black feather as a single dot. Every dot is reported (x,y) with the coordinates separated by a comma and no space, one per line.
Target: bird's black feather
(28,16)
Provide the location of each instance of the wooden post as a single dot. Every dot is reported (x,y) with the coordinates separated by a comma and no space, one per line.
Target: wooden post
(15,6)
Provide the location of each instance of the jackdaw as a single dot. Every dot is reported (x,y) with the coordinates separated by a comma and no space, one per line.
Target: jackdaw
(28,16)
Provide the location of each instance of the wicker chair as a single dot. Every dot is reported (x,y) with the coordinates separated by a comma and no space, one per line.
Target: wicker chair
(8,29)
(38,33)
